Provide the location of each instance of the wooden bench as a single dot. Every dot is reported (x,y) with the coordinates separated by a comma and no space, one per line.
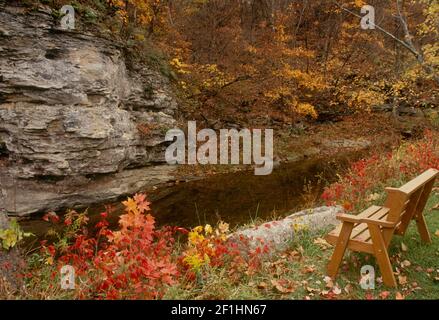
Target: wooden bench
(372,230)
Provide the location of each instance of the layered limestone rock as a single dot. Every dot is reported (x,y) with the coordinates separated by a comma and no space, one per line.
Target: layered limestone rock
(70,112)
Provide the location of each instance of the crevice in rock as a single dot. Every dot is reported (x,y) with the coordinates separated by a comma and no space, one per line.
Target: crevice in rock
(49,178)
(54,54)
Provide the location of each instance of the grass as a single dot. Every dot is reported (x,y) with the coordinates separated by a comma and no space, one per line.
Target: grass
(299,272)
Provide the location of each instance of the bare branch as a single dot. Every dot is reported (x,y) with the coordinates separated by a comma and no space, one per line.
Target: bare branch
(402,42)
(408,43)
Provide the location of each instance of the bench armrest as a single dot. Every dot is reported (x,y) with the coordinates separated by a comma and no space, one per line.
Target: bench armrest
(348,218)
(381,223)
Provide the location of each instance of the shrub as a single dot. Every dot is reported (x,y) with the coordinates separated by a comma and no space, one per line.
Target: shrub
(137,261)
(368,176)
(213,248)
(134,262)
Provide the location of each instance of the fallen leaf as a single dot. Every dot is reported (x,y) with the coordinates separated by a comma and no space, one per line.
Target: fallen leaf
(309,269)
(189,287)
(429,270)
(349,289)
(336,290)
(262,285)
(322,243)
(329,282)
(404,247)
(373,197)
(435,207)
(384,294)
(406,264)
(402,280)
(325,293)
(399,296)
(437,233)
(312,290)
(283,286)
(369,296)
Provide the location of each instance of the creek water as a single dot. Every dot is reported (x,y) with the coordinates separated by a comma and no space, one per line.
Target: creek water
(236,198)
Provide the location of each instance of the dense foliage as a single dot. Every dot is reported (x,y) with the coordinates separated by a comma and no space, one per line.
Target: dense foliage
(290,59)
(136,261)
(368,176)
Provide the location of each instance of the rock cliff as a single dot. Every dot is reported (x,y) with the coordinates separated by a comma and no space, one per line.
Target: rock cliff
(70,112)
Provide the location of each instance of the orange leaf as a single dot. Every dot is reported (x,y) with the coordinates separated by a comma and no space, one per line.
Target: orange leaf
(399,296)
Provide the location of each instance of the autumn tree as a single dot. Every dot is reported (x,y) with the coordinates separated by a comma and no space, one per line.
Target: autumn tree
(289,59)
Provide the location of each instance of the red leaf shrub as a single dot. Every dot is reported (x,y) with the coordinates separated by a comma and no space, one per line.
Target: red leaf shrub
(391,169)
(135,262)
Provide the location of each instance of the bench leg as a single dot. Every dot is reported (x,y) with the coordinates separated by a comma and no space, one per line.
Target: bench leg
(340,248)
(419,213)
(422,228)
(382,255)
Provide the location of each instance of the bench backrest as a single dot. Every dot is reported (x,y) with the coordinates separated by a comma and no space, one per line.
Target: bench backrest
(409,200)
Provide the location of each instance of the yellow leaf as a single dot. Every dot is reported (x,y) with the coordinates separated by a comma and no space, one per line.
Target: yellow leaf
(359,3)
(402,280)
(208,229)
(198,229)
(49,260)
(130,205)
(322,243)
(223,227)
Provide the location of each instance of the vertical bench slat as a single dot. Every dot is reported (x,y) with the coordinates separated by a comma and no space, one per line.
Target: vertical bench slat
(407,216)
(418,214)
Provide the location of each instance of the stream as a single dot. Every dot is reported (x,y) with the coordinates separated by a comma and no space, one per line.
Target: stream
(236,198)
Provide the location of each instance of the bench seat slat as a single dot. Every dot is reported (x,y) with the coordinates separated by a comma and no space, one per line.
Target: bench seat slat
(374,212)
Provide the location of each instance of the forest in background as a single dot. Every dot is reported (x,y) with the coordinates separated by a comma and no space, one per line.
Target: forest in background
(280,60)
